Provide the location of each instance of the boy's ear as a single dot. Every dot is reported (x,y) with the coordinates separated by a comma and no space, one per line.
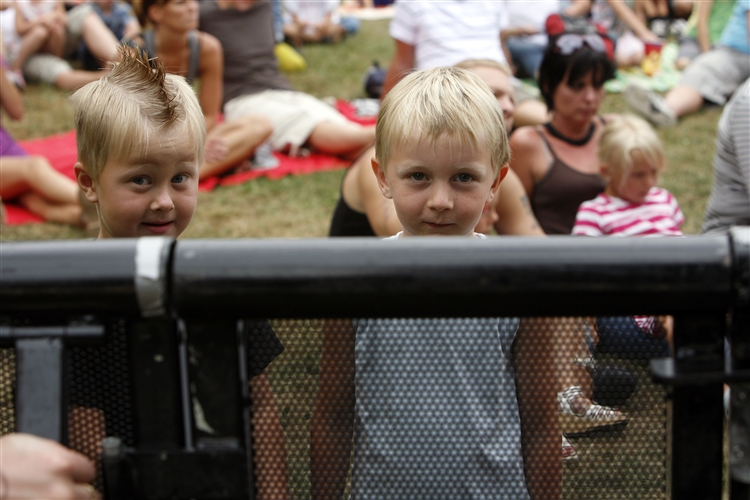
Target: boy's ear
(604,171)
(496,183)
(85,182)
(382,180)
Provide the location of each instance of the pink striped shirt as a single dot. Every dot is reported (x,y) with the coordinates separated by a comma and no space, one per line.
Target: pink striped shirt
(658,215)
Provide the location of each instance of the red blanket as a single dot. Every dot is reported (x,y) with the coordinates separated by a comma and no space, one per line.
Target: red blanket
(61,152)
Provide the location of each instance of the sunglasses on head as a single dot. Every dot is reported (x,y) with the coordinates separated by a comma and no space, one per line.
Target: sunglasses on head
(570,42)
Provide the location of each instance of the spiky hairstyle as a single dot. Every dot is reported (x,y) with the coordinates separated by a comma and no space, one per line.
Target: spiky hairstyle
(118,115)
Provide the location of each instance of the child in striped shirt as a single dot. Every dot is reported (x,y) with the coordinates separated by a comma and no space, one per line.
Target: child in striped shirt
(632,158)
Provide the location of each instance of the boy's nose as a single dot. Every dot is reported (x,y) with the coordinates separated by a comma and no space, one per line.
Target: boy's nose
(162,201)
(440,198)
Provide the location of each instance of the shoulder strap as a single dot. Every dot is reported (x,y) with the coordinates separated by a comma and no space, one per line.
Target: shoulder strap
(550,152)
(195,56)
(150,41)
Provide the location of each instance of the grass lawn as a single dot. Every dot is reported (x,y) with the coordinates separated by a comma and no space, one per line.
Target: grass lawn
(630,464)
(301,207)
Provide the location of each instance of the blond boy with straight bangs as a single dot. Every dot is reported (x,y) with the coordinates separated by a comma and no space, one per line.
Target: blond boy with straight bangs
(440,142)
(443,407)
(140,136)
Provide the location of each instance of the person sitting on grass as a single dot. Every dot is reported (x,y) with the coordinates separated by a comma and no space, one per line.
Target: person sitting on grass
(444,407)
(171,36)
(712,77)
(632,157)
(254,85)
(140,135)
(30,180)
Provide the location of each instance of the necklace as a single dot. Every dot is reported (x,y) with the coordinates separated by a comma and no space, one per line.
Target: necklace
(574,142)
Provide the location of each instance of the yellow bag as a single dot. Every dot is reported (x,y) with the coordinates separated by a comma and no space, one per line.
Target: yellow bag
(289,59)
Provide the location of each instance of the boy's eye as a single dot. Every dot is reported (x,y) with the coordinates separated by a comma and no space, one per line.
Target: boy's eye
(418,176)
(464,177)
(179,178)
(141,181)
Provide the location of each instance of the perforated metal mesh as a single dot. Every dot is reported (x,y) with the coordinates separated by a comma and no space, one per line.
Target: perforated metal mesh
(7,385)
(436,412)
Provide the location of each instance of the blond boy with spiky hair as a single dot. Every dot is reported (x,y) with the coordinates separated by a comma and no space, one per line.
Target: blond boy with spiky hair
(140,135)
(443,407)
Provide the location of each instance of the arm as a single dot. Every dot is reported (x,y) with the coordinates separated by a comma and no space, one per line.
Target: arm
(211,75)
(702,33)
(513,209)
(402,63)
(271,477)
(34,467)
(630,18)
(23,25)
(536,386)
(527,158)
(333,419)
(578,8)
(10,97)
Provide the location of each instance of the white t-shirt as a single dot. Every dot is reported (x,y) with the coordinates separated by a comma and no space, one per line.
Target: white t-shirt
(311,11)
(532,14)
(445,33)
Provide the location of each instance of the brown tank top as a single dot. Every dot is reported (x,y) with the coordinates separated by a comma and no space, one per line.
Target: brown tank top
(558,194)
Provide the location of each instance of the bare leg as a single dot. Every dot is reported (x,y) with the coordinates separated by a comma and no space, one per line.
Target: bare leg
(684,100)
(342,139)
(55,43)
(73,80)
(272,478)
(293,31)
(98,38)
(240,137)
(31,43)
(34,173)
(40,188)
(570,344)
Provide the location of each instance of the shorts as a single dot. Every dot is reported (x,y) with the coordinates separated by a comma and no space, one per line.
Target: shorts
(8,145)
(689,48)
(293,115)
(716,74)
(46,67)
(622,337)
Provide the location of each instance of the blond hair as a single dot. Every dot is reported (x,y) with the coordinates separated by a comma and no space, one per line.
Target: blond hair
(116,115)
(431,103)
(624,136)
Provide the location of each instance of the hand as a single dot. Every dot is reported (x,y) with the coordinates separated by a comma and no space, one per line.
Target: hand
(649,36)
(34,468)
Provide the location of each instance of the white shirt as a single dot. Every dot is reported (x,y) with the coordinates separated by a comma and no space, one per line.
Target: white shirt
(445,33)
(311,11)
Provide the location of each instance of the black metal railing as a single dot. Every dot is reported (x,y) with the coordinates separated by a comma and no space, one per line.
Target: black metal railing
(151,303)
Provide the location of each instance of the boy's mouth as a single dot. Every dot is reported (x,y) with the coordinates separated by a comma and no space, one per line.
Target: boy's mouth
(158,227)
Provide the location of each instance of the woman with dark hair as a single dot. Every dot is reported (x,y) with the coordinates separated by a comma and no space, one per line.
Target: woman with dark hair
(558,166)
(171,35)
(557,162)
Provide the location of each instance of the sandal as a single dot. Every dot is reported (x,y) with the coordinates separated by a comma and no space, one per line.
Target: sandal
(594,418)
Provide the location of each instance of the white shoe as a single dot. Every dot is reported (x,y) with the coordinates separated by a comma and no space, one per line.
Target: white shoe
(594,418)
(649,104)
(569,451)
